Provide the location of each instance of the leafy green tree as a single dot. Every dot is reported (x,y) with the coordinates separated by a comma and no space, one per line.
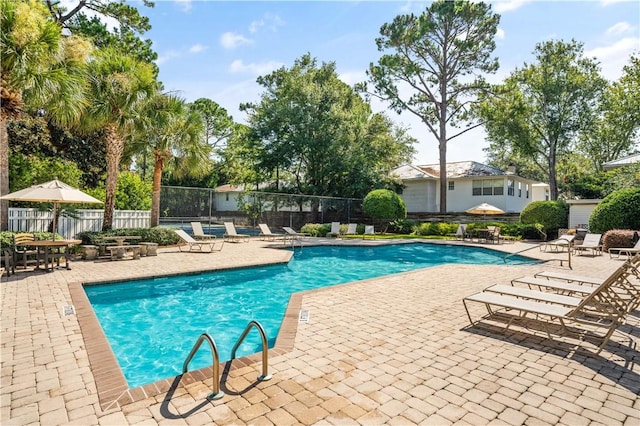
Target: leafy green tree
(313,132)
(542,109)
(384,204)
(119,89)
(434,69)
(616,130)
(127,16)
(174,133)
(133,192)
(618,210)
(40,71)
(218,124)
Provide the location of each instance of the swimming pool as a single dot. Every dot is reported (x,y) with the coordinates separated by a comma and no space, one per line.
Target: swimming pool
(152,324)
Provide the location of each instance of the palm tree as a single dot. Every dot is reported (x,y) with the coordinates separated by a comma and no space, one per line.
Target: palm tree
(40,71)
(119,88)
(175,132)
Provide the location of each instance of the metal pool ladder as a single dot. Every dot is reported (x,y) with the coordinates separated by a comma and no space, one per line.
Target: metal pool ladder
(217,393)
(265,348)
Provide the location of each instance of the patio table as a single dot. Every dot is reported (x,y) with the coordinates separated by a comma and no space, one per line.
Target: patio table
(45,247)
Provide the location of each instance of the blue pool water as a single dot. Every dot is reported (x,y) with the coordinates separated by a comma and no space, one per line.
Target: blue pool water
(152,324)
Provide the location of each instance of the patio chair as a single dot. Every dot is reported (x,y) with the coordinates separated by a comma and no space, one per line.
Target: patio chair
(369,230)
(494,235)
(232,235)
(292,234)
(606,306)
(590,242)
(335,230)
(21,249)
(559,244)
(198,232)
(616,252)
(461,232)
(266,234)
(197,245)
(352,229)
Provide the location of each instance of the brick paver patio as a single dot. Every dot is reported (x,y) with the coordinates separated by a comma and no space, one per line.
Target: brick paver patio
(394,350)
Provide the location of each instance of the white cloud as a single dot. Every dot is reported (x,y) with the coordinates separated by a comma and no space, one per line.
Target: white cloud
(508,5)
(167,56)
(614,56)
(185,5)
(269,21)
(606,3)
(500,34)
(255,68)
(353,77)
(197,48)
(620,28)
(230,40)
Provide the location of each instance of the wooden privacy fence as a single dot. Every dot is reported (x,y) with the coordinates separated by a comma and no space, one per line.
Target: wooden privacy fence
(34,220)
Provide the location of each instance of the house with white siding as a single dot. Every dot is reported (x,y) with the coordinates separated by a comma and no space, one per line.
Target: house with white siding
(469,183)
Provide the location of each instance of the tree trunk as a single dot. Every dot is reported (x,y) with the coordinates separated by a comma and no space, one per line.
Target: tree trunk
(115,148)
(553,181)
(155,195)
(443,174)
(4,174)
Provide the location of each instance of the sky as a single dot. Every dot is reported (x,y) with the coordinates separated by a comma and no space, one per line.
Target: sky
(217,49)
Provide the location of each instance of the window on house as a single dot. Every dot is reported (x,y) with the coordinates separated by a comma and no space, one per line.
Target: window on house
(520,189)
(498,187)
(477,187)
(227,196)
(527,189)
(452,185)
(488,187)
(510,187)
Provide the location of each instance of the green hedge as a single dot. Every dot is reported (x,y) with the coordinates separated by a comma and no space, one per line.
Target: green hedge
(552,215)
(618,210)
(161,235)
(6,237)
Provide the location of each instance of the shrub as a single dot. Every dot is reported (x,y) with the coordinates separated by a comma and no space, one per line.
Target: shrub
(436,228)
(618,210)
(528,231)
(6,237)
(160,235)
(402,226)
(552,215)
(315,229)
(617,238)
(384,204)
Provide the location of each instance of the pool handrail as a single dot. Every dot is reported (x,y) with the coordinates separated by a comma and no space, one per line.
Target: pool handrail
(265,348)
(217,393)
(504,258)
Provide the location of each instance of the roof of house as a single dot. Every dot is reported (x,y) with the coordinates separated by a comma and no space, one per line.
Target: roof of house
(621,162)
(459,169)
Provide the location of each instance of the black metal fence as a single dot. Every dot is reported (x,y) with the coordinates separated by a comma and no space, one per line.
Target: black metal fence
(179,205)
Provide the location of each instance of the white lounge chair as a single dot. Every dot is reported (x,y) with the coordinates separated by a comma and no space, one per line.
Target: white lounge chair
(198,232)
(335,230)
(461,232)
(266,234)
(232,235)
(291,233)
(368,230)
(605,306)
(616,252)
(198,245)
(352,229)
(559,244)
(591,242)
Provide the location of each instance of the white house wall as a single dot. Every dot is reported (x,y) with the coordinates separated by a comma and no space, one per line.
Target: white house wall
(424,195)
(419,196)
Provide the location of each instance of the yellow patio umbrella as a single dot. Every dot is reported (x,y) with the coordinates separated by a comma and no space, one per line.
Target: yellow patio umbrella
(484,209)
(55,192)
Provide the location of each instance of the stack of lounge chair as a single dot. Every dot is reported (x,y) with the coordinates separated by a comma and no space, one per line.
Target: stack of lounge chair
(588,304)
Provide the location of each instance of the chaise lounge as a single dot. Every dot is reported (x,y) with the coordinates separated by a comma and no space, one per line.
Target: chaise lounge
(197,245)
(602,307)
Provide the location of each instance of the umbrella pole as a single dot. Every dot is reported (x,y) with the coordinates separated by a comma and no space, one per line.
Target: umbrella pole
(55,222)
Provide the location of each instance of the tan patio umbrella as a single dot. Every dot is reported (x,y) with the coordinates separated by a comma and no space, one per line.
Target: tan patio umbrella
(484,209)
(55,192)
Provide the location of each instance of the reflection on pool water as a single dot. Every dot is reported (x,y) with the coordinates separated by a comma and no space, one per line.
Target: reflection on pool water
(152,324)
